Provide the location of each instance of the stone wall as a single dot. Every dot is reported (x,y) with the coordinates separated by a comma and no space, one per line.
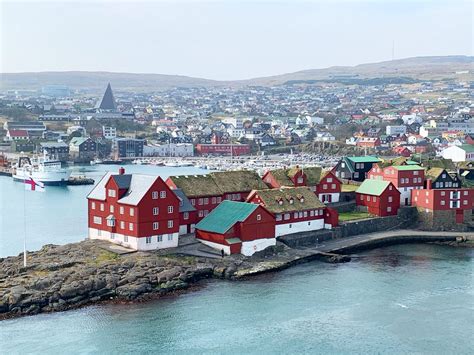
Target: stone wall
(406,218)
(441,220)
(342,207)
(347,196)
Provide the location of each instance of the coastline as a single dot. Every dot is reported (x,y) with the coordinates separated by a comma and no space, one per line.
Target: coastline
(60,278)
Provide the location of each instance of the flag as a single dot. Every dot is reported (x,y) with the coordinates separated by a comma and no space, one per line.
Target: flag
(33,185)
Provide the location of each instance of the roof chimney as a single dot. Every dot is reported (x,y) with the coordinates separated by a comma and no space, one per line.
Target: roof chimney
(121,170)
(429,184)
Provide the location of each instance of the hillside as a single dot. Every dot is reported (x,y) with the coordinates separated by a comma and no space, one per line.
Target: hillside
(418,68)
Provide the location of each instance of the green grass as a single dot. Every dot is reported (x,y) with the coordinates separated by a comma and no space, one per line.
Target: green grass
(351,216)
(349,188)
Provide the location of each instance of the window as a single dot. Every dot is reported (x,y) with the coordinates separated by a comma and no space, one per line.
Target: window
(305,214)
(97,220)
(101,206)
(333,186)
(206,212)
(300,180)
(200,202)
(286,216)
(213,200)
(93,205)
(170,209)
(219,200)
(443,193)
(159,238)
(125,238)
(320,212)
(329,180)
(300,215)
(325,186)
(390,187)
(170,224)
(130,226)
(362,197)
(156,225)
(148,240)
(464,202)
(259,217)
(186,215)
(295,215)
(121,210)
(170,237)
(122,224)
(390,198)
(154,195)
(111,208)
(443,202)
(465,193)
(278,217)
(193,202)
(162,194)
(311,213)
(389,209)
(415,173)
(110,222)
(156,210)
(201,213)
(206,201)
(111,193)
(112,235)
(132,212)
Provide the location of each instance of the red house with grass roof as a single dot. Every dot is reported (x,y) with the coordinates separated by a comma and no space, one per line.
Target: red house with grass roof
(380,197)
(237,227)
(295,209)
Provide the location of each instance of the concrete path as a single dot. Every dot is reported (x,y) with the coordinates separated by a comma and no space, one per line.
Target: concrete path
(336,245)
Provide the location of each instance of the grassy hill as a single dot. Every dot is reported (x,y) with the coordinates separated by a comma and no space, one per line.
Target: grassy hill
(396,71)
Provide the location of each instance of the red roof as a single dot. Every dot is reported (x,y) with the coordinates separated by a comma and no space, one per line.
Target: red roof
(18,133)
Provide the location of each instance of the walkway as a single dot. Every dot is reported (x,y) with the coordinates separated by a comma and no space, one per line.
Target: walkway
(398,236)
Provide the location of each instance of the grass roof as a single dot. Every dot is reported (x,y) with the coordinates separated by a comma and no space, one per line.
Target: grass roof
(289,199)
(434,173)
(196,185)
(238,181)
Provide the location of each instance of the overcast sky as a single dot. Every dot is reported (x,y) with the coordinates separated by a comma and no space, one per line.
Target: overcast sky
(231,40)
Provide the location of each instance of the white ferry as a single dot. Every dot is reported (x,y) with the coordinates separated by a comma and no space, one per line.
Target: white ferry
(46,170)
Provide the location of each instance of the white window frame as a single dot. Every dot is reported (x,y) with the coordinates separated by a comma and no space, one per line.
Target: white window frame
(154,195)
(156,226)
(156,211)
(170,224)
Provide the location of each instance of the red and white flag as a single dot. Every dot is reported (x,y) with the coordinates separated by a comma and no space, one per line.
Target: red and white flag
(33,185)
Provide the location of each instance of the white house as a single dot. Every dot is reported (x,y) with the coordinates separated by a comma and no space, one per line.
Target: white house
(459,153)
(395,130)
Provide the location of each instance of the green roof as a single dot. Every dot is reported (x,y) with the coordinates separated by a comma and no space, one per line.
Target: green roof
(233,240)
(434,173)
(225,215)
(366,159)
(373,187)
(408,167)
(468,148)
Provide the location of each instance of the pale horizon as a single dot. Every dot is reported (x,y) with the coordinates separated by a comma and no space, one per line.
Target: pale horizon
(236,40)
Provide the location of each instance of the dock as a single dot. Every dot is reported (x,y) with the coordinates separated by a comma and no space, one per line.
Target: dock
(80,180)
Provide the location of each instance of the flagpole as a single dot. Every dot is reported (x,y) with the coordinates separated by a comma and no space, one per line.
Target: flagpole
(24,225)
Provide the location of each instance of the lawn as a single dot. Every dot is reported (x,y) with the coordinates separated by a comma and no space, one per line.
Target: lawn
(351,216)
(349,188)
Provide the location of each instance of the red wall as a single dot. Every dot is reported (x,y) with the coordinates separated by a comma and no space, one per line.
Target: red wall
(431,199)
(379,206)
(329,189)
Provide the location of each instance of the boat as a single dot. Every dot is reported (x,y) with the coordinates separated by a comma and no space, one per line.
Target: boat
(112,161)
(46,170)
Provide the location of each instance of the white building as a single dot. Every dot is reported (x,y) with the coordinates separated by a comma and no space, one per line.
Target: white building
(169,150)
(395,130)
(109,132)
(459,154)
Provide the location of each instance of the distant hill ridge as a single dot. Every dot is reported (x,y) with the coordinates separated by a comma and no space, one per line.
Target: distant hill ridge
(416,68)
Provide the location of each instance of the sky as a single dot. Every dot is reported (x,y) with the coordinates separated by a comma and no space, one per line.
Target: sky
(226,40)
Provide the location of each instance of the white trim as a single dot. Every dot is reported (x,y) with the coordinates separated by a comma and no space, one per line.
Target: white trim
(216,246)
(134,242)
(253,246)
(296,227)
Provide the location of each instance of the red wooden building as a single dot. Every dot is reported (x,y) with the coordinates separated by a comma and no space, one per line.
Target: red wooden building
(380,197)
(295,209)
(237,227)
(205,192)
(369,142)
(223,149)
(137,211)
(323,183)
(404,177)
(443,208)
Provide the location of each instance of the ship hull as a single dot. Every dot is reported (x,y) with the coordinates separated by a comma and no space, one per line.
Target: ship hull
(47,178)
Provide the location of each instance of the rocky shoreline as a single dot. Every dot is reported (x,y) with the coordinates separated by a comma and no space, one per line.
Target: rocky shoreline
(60,278)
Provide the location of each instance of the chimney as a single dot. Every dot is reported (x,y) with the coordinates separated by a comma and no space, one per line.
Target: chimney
(429,184)
(121,170)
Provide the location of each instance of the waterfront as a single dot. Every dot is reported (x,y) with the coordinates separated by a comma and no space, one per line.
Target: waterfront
(400,299)
(59,215)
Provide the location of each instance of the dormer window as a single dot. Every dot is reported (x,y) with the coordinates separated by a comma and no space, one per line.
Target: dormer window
(280,202)
(302,199)
(111,193)
(291,200)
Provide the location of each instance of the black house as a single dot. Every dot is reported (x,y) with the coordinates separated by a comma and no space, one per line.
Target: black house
(354,168)
(441,179)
